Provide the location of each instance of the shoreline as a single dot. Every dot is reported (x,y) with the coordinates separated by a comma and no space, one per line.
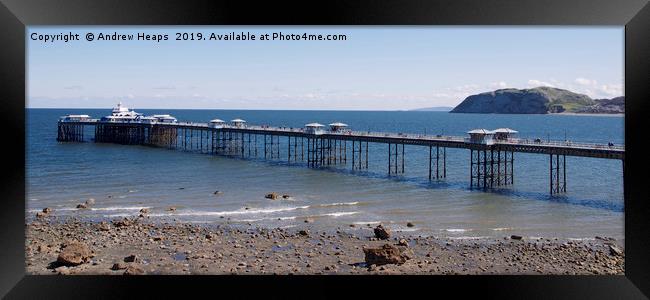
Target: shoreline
(140,246)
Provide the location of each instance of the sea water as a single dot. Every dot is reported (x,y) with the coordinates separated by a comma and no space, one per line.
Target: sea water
(123,179)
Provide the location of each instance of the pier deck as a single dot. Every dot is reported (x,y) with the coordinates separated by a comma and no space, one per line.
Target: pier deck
(490,164)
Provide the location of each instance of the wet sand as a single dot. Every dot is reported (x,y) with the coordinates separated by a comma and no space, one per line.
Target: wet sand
(140,246)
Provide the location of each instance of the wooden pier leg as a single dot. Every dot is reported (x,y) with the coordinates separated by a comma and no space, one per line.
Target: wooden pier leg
(437,162)
(564,173)
(366,155)
(550,166)
(430,161)
(402,158)
(471,168)
(353,150)
(390,168)
(491,168)
(557,173)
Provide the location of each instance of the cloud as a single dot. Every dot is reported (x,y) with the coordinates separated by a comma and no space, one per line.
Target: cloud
(500,84)
(73,87)
(536,83)
(585,81)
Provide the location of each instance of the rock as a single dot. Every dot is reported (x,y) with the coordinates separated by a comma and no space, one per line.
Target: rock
(615,251)
(103,226)
(352,225)
(144,211)
(82,206)
(122,223)
(516,237)
(208,236)
(403,242)
(90,202)
(309,220)
(409,224)
(63,270)
(157,238)
(131,258)
(381,232)
(303,232)
(171,208)
(119,266)
(285,196)
(271,196)
(73,254)
(387,254)
(47,210)
(41,214)
(217,192)
(133,270)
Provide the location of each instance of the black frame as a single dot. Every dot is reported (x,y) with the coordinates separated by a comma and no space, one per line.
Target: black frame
(15,15)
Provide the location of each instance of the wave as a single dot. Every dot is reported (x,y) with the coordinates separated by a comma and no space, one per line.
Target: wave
(230,212)
(119,215)
(119,208)
(341,213)
(469,237)
(502,228)
(339,204)
(456,230)
(365,223)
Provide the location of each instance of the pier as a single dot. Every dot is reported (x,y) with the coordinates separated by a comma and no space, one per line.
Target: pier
(491,158)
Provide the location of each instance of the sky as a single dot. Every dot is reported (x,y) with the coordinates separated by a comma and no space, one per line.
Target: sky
(374,68)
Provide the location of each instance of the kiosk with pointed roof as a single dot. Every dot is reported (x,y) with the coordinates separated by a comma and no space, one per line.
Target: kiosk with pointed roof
(504,133)
(216,123)
(337,126)
(237,123)
(314,128)
(481,136)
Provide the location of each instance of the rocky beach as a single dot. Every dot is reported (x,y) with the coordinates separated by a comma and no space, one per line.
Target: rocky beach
(138,245)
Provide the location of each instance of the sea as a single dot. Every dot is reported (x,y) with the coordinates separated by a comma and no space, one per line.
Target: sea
(122,179)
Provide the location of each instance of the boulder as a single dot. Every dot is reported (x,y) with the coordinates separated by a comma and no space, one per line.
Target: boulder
(131,258)
(381,232)
(309,220)
(73,254)
(122,223)
(386,254)
(63,270)
(516,237)
(272,196)
(41,214)
(133,270)
(119,266)
(172,208)
(144,211)
(409,224)
(403,242)
(90,202)
(285,196)
(303,232)
(217,192)
(47,210)
(615,251)
(82,206)
(103,226)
